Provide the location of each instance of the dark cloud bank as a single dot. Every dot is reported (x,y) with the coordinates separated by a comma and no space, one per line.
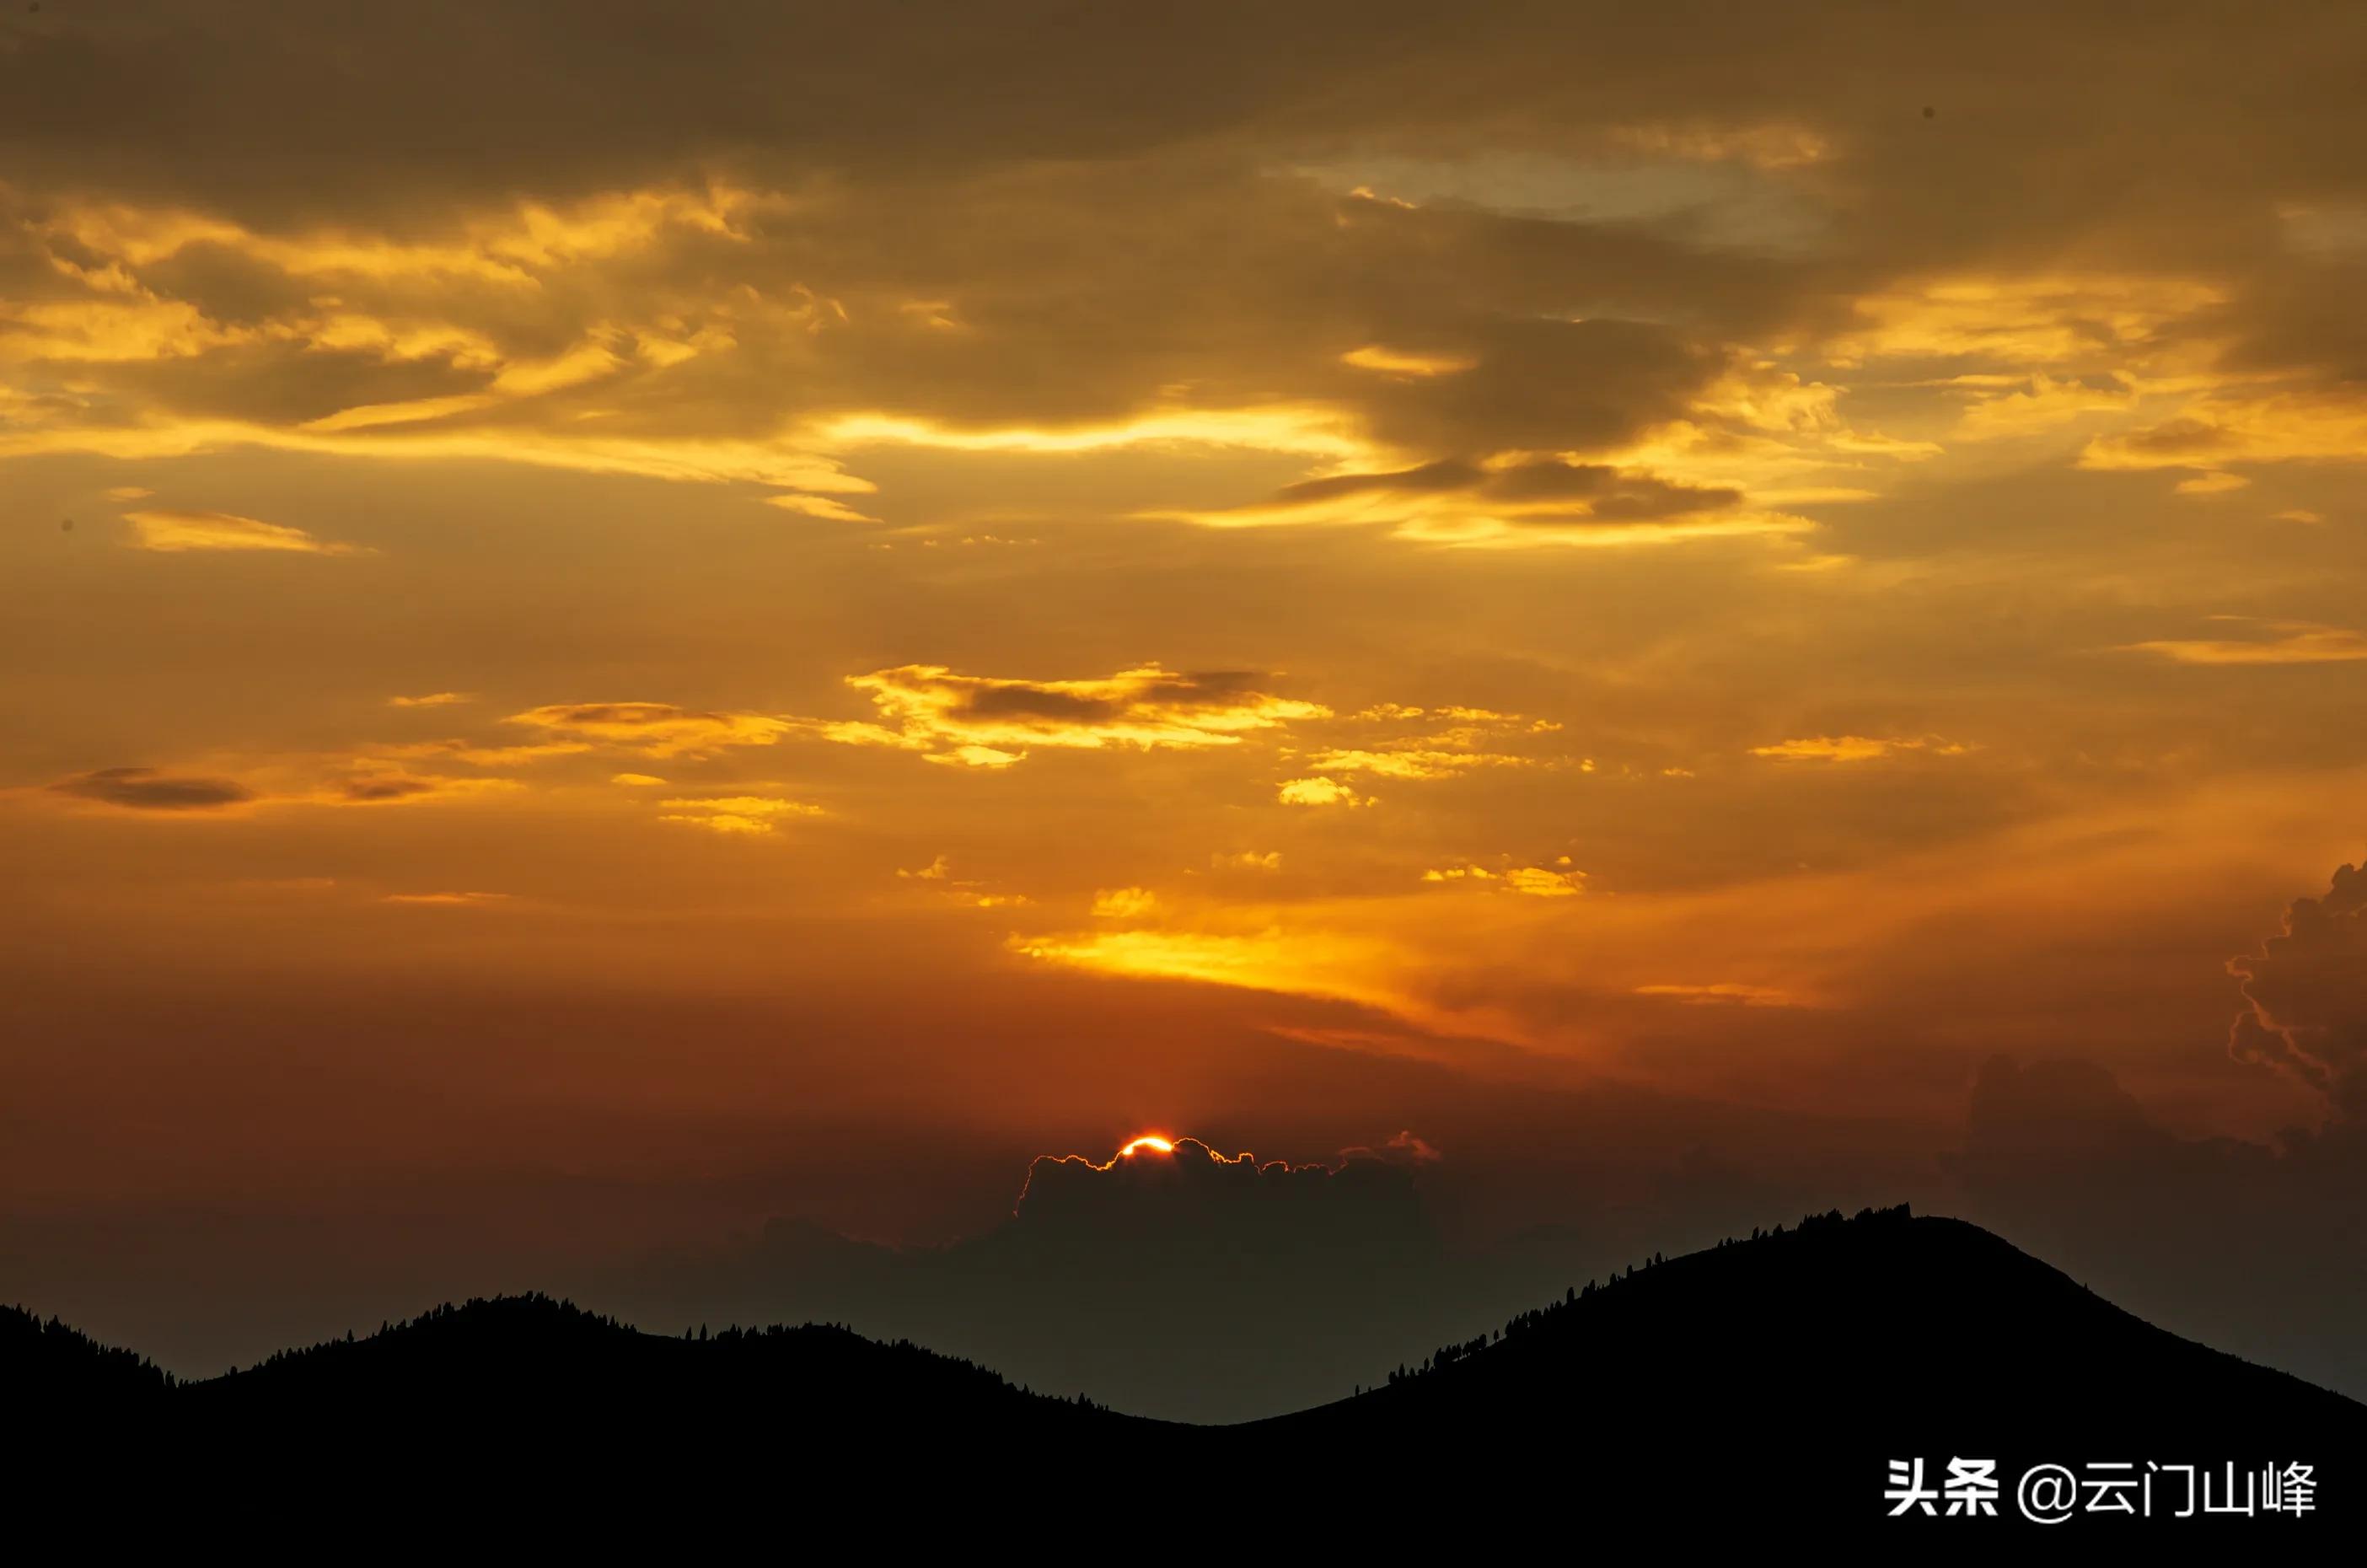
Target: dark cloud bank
(1205,1288)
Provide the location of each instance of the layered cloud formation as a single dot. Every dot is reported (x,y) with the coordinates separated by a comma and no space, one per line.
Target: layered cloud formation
(766,612)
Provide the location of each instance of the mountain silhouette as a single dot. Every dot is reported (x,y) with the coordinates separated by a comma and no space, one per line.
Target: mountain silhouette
(1766,1381)
(1785,1372)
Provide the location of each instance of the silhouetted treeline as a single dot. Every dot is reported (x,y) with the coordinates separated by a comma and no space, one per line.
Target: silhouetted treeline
(1447,1354)
(1789,1369)
(42,1362)
(554,1354)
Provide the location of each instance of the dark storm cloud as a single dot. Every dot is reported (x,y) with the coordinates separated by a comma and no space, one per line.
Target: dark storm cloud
(2306,992)
(2258,1251)
(1026,213)
(149,789)
(199,97)
(1188,1285)
(1550,384)
(1136,1197)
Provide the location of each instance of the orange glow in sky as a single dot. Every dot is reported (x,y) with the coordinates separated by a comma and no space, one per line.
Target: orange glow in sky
(1514,592)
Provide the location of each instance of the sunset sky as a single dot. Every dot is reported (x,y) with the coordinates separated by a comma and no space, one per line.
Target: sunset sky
(615,628)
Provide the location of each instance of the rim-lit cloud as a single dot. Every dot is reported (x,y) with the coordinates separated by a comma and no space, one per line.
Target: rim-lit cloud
(2306,995)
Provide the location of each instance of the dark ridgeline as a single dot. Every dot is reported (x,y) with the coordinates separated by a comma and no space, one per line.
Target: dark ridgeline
(46,1365)
(1763,1382)
(1780,1373)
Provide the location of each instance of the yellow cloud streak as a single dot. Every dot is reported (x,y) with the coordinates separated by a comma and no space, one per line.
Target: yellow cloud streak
(2302,644)
(171,533)
(1310,429)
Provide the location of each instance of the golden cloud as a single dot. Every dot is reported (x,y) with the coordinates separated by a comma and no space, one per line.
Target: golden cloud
(1413,762)
(2008,406)
(652,729)
(1557,880)
(965,891)
(1321,792)
(991,722)
(1124,903)
(2314,425)
(1325,965)
(1857,748)
(1472,741)
(173,531)
(2042,319)
(735,815)
(2298,642)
